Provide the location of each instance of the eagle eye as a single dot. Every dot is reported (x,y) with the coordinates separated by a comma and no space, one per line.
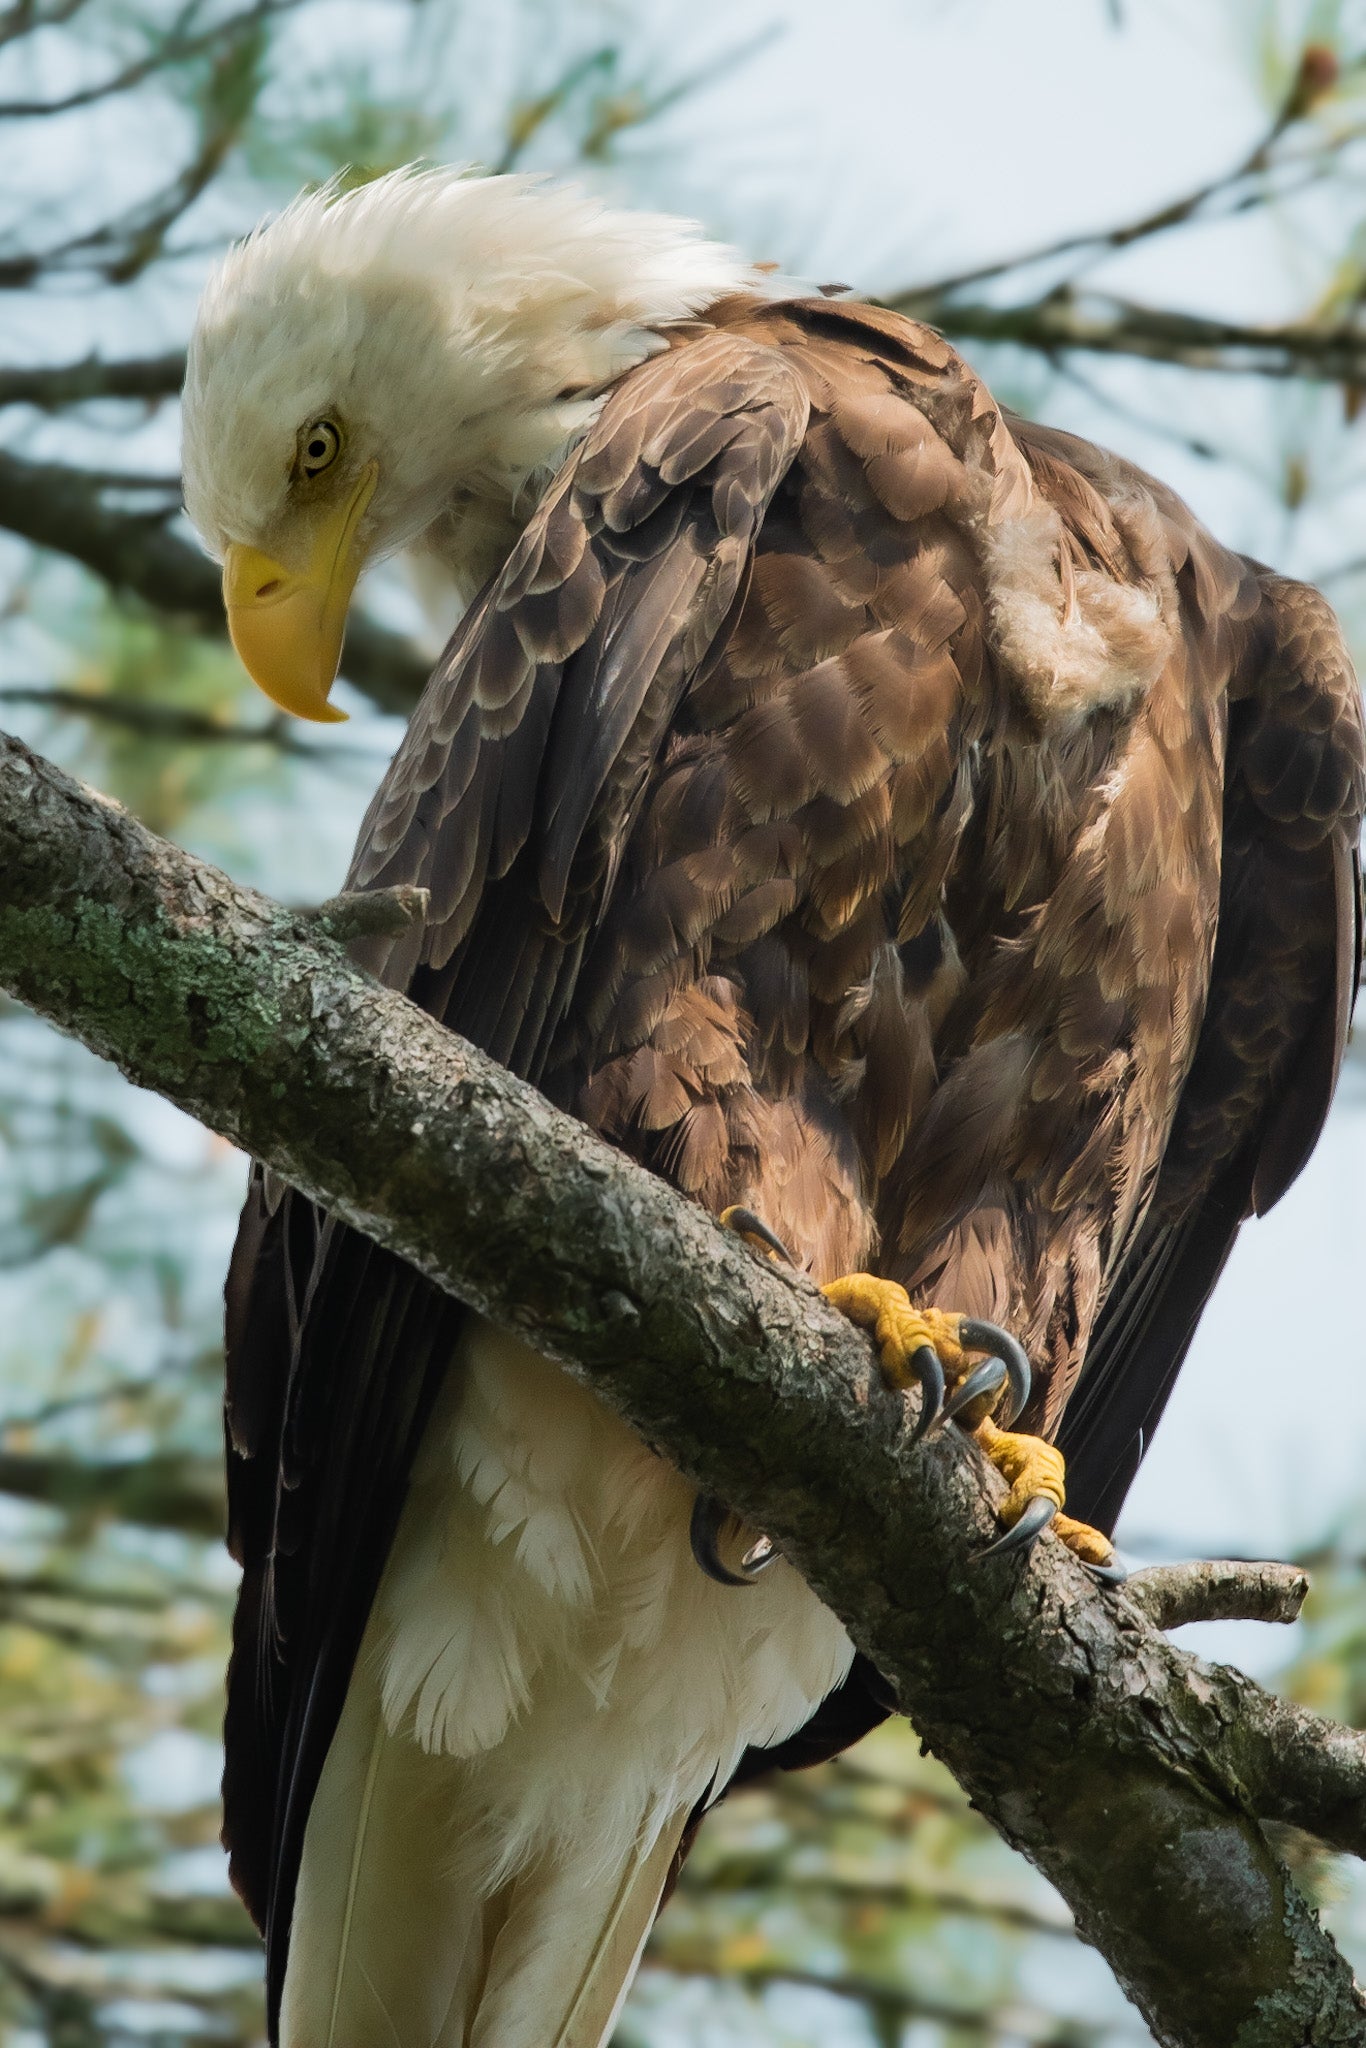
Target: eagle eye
(319,446)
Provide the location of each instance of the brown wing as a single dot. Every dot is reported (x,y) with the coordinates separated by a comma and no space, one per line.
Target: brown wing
(1285,972)
(876,887)
(509,798)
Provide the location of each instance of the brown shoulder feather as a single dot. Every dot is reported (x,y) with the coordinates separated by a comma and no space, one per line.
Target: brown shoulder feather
(828,801)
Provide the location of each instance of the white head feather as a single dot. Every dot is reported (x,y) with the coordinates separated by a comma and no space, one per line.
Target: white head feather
(460,329)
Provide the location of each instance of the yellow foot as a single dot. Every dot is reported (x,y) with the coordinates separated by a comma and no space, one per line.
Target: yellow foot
(931,1348)
(1037,1473)
(918,1346)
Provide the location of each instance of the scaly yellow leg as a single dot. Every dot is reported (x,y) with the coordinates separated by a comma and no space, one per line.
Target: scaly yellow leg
(901,1330)
(1037,1474)
(926,1346)
(930,1348)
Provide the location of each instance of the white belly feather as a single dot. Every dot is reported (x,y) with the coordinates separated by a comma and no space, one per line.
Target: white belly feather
(548,1685)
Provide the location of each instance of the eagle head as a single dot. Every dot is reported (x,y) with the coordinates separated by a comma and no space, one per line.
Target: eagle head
(402,366)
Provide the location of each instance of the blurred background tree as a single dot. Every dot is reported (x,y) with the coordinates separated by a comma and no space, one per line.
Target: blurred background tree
(1144,222)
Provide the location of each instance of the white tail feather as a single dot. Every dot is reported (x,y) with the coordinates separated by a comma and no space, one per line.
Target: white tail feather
(548,1686)
(387,1934)
(394,1948)
(563,1961)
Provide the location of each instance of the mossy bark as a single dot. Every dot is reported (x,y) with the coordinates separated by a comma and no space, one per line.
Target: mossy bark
(1129,1772)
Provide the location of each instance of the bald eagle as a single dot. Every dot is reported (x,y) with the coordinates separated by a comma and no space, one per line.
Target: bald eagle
(899,825)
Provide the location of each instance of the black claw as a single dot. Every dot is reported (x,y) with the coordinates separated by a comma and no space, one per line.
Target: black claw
(975,1336)
(1112,1574)
(987,1378)
(746,1224)
(1031,1525)
(709,1517)
(924,1363)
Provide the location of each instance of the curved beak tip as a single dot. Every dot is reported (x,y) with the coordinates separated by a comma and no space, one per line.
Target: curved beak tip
(288,646)
(288,627)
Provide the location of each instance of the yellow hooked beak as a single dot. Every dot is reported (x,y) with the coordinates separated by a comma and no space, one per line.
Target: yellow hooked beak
(288,628)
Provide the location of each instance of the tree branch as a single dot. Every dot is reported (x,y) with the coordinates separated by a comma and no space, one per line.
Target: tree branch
(22,17)
(168,1491)
(1129,1772)
(1099,324)
(51,386)
(56,507)
(1173,1594)
(1318,73)
(1067,320)
(153,720)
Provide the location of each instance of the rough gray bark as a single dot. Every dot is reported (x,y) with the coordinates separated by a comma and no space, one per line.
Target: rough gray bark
(1214,1590)
(1128,1771)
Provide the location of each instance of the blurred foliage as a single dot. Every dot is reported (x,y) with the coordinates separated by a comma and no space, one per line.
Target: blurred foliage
(862,1903)
(114,1590)
(137,669)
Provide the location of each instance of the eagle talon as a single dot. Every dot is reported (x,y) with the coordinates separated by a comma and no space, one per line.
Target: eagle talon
(1037,1475)
(974,1335)
(1022,1535)
(754,1230)
(984,1380)
(916,1345)
(709,1516)
(1113,1574)
(924,1363)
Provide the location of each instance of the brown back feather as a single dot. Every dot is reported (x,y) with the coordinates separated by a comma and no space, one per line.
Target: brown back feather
(826,802)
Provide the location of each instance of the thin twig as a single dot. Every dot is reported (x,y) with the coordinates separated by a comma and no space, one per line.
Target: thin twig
(23,18)
(527,119)
(122,249)
(51,387)
(167,721)
(1092,244)
(174,47)
(1148,423)
(1173,1594)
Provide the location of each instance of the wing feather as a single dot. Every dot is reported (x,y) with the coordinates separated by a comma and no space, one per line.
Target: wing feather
(745,840)
(516,778)
(1284,975)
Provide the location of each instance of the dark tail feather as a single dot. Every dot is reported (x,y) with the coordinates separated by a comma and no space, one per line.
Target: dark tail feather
(1139,1346)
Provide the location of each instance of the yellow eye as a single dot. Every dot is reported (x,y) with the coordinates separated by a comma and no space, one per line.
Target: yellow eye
(319,447)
